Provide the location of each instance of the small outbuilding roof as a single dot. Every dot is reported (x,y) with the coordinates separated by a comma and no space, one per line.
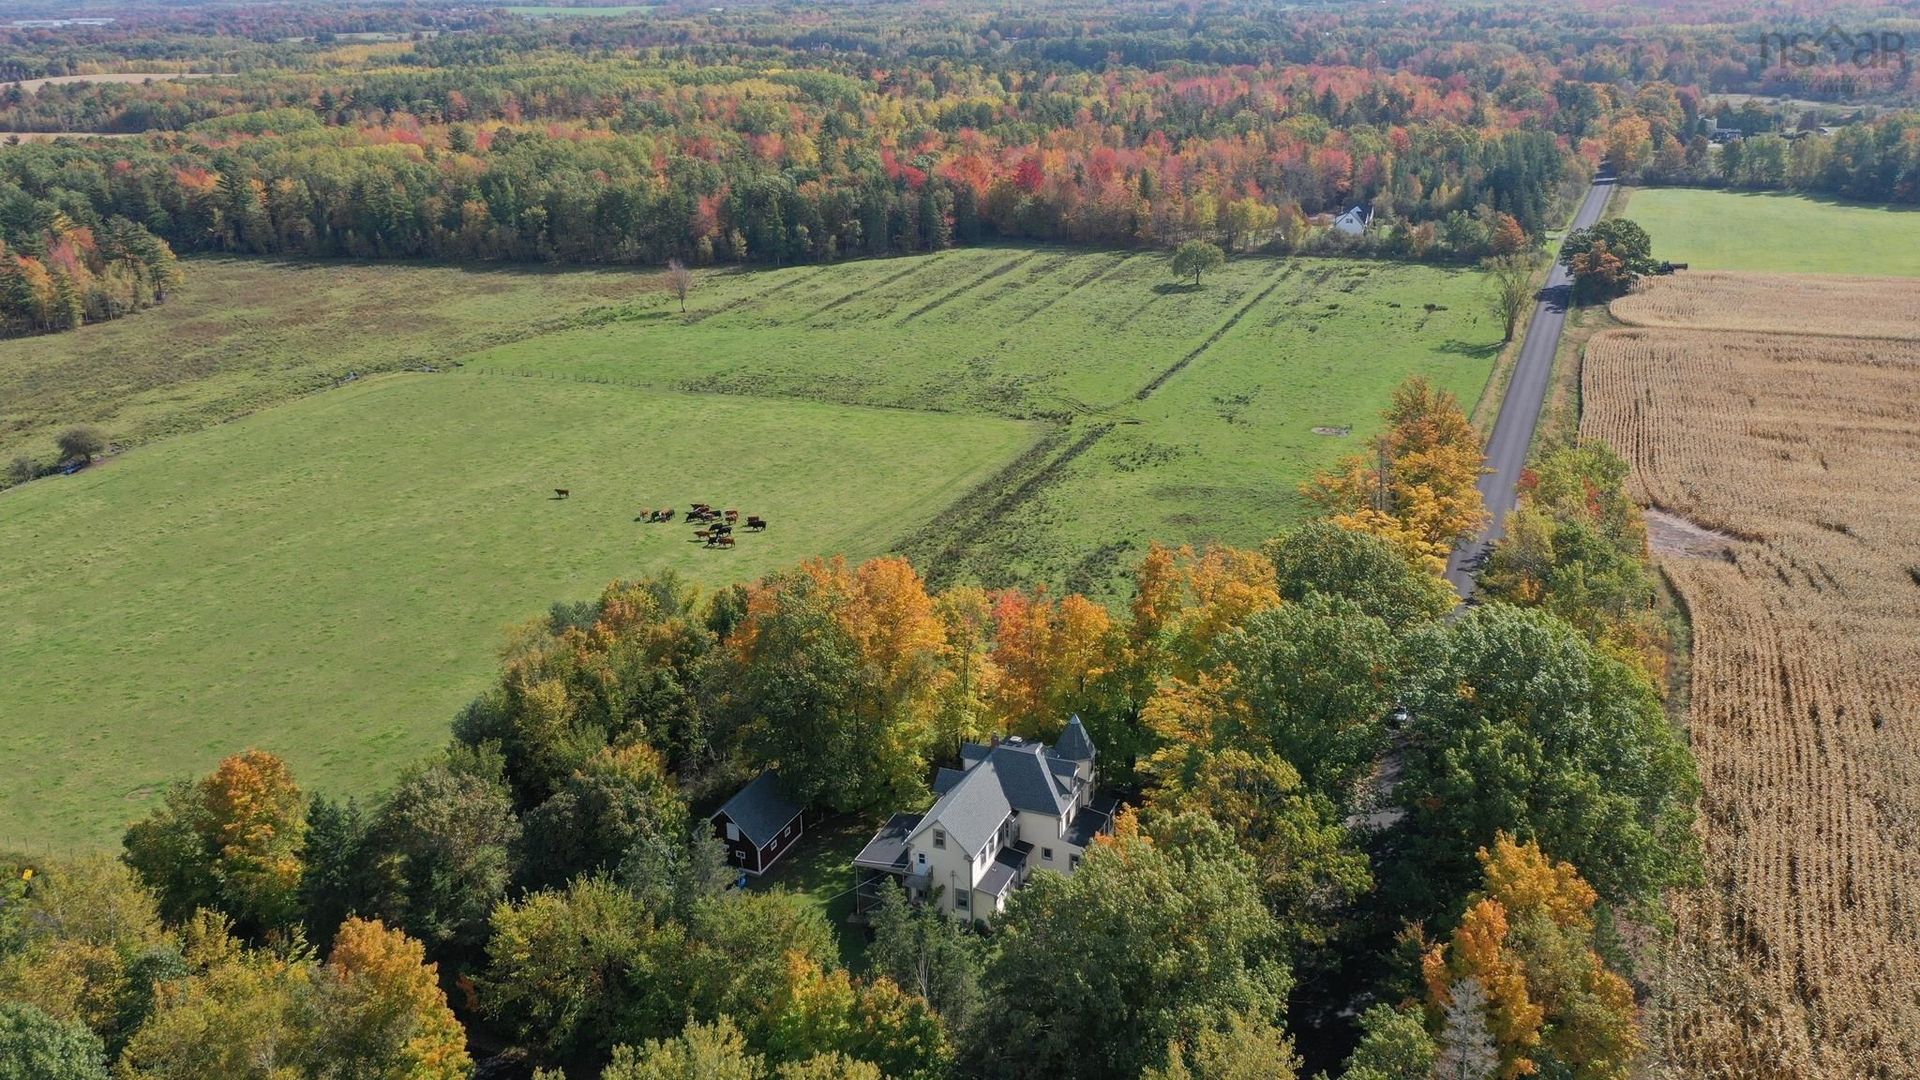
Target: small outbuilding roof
(762,808)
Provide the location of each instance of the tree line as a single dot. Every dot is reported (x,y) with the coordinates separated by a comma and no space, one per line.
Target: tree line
(548,882)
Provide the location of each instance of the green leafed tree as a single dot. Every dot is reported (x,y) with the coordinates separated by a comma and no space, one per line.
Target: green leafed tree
(1520,724)
(35,1046)
(440,852)
(1394,1045)
(1197,257)
(1148,943)
(929,954)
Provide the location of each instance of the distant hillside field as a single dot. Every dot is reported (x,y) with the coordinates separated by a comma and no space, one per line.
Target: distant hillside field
(331,578)
(1777,233)
(243,334)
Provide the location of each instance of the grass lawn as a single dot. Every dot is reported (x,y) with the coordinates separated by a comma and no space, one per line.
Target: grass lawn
(330,579)
(820,868)
(1776,232)
(242,334)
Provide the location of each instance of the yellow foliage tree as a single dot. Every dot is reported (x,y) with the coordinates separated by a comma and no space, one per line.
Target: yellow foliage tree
(1427,499)
(1528,940)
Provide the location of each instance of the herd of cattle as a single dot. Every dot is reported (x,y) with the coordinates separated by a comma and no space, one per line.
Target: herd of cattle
(716,526)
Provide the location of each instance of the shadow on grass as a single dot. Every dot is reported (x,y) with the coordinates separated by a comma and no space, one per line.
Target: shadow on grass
(1456,347)
(1167,288)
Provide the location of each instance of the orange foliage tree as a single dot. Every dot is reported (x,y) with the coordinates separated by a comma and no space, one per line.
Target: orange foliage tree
(1427,500)
(232,841)
(1527,939)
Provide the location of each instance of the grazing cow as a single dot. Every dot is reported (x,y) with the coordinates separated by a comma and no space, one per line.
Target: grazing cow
(757,524)
(703,534)
(561,493)
(726,541)
(666,515)
(733,515)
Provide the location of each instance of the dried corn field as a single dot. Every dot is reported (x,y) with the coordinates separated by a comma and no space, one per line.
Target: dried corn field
(1776,304)
(1801,958)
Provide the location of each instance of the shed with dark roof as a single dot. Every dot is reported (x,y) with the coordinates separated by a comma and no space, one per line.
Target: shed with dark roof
(759,823)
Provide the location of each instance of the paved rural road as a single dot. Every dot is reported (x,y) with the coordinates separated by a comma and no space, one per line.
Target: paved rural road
(1520,409)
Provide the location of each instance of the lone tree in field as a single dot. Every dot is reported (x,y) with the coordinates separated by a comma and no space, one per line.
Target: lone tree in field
(1608,258)
(679,281)
(82,442)
(1513,284)
(1196,257)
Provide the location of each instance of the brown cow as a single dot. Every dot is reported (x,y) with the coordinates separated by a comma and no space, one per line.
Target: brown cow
(561,493)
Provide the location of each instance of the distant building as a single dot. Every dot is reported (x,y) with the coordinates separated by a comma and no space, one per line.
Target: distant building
(759,823)
(1012,808)
(1354,222)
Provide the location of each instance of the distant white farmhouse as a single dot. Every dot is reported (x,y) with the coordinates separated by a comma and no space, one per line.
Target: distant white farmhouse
(1012,808)
(1354,222)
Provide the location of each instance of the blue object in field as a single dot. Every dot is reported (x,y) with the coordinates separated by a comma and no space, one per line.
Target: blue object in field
(73,467)
(741,881)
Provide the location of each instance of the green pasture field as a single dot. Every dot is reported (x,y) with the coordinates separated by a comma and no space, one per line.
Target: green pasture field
(1776,232)
(1183,415)
(242,334)
(331,579)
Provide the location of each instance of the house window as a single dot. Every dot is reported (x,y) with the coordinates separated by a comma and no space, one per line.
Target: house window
(1073,862)
(733,831)
(923,860)
(962,901)
(788,831)
(1046,853)
(940,839)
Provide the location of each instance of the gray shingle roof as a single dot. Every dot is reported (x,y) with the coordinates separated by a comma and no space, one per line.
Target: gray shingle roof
(944,780)
(971,809)
(1028,779)
(762,808)
(1075,744)
(888,848)
(999,779)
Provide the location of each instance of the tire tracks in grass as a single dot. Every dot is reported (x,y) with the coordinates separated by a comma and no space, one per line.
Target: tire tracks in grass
(955,293)
(917,264)
(1219,332)
(750,298)
(1089,280)
(948,542)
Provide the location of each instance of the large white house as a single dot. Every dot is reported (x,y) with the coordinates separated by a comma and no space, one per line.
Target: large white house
(1354,222)
(1012,808)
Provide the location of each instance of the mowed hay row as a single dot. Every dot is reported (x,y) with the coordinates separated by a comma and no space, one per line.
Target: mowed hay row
(1868,307)
(1805,706)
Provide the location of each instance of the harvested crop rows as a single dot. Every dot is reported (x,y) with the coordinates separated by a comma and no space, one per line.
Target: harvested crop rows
(1802,956)
(1776,304)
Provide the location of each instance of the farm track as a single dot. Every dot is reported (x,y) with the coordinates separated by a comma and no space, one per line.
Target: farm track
(916,265)
(1089,280)
(746,299)
(943,544)
(1160,380)
(955,293)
